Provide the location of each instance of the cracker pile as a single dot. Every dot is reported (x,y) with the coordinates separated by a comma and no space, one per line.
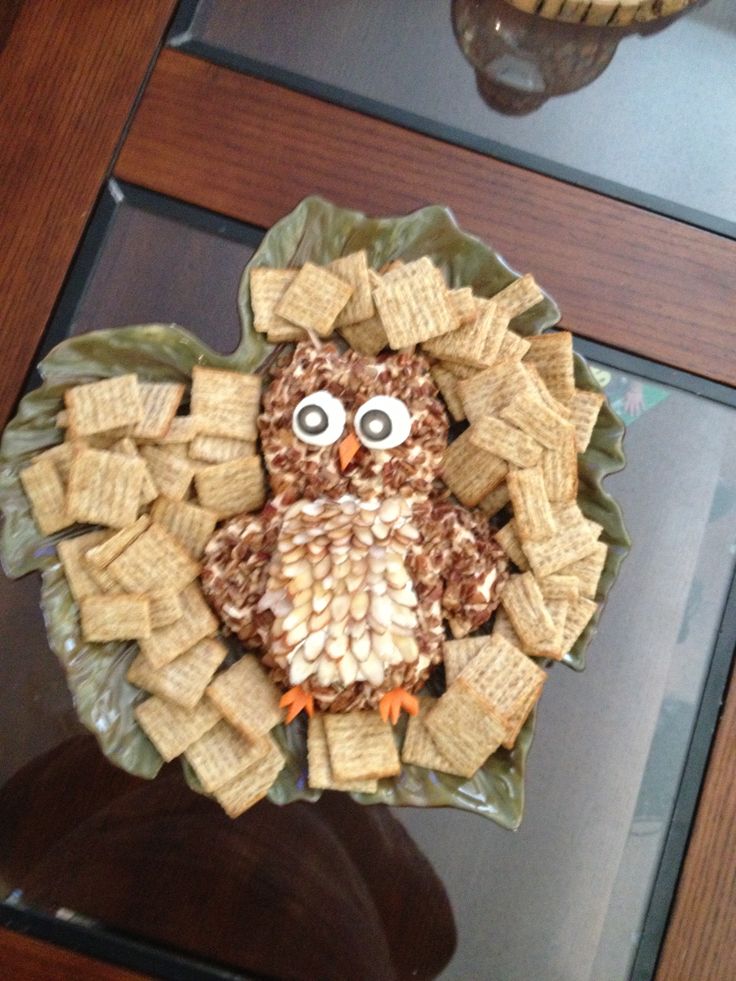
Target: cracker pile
(158,481)
(155,482)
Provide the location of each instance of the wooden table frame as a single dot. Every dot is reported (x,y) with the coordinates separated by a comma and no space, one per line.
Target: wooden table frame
(72,76)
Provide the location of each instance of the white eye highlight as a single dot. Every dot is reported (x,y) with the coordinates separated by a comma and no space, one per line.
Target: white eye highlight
(319,419)
(382,422)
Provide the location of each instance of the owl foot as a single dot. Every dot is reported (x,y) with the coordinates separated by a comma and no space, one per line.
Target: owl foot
(392,703)
(297,699)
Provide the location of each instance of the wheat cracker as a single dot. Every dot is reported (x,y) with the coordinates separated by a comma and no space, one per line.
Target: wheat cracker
(105,488)
(361,746)
(103,405)
(184,679)
(171,728)
(114,616)
(253,784)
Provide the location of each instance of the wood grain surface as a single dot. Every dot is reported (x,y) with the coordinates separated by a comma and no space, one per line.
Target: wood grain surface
(76,69)
(26,959)
(252,149)
(701,938)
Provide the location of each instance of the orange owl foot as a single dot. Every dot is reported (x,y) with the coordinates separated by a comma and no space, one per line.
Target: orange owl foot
(392,703)
(297,699)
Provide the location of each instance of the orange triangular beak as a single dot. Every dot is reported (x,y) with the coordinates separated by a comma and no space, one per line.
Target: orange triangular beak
(347,449)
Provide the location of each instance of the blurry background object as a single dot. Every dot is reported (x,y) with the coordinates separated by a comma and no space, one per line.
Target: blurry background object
(521,60)
(602,13)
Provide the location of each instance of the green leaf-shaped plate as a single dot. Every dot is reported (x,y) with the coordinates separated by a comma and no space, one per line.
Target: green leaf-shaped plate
(319,232)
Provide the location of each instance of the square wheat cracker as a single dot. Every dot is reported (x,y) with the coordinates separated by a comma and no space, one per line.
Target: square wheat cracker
(446,382)
(221,754)
(495,501)
(504,678)
(172,474)
(105,488)
(568,516)
(196,622)
(496,436)
(532,512)
(524,605)
(233,487)
(103,554)
(226,402)
(155,557)
(508,538)
(463,731)
(529,414)
(247,698)
(414,307)
(127,447)
(71,552)
(361,746)
(253,784)
(586,407)
(456,654)
(579,615)
(551,355)
(46,495)
(165,607)
(512,347)
(172,728)
(465,304)
(544,395)
(185,679)
(61,456)
(314,299)
(114,616)
(560,469)
(476,344)
(559,587)
(470,472)
(487,392)
(160,403)
(519,296)
(367,337)
(191,525)
(103,405)
(267,286)
(555,553)
(588,569)
(320,772)
(353,270)
(419,748)
(220,449)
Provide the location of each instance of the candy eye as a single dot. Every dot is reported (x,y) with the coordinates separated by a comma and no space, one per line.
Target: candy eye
(382,422)
(319,419)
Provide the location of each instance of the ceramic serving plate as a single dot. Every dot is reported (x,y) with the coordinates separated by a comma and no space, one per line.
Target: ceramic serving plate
(319,232)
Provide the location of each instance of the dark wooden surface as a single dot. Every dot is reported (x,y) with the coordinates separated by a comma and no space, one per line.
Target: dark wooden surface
(74,70)
(701,940)
(26,959)
(252,150)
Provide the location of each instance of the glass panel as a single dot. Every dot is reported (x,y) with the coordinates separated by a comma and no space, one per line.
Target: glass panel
(303,890)
(612,105)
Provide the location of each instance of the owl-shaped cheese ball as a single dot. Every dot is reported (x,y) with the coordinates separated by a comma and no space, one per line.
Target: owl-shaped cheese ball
(347,579)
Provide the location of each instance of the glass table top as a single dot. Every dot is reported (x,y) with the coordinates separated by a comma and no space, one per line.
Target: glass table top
(303,890)
(645,114)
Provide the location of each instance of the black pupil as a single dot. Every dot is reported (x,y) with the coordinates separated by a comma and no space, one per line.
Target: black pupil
(376,424)
(312,419)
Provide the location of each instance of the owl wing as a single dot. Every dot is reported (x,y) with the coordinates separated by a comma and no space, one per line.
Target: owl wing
(459,544)
(235,574)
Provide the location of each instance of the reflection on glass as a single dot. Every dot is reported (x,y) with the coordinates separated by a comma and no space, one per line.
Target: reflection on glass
(292,892)
(522,60)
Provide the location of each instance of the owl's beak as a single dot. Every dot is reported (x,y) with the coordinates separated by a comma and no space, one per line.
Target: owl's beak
(347,449)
